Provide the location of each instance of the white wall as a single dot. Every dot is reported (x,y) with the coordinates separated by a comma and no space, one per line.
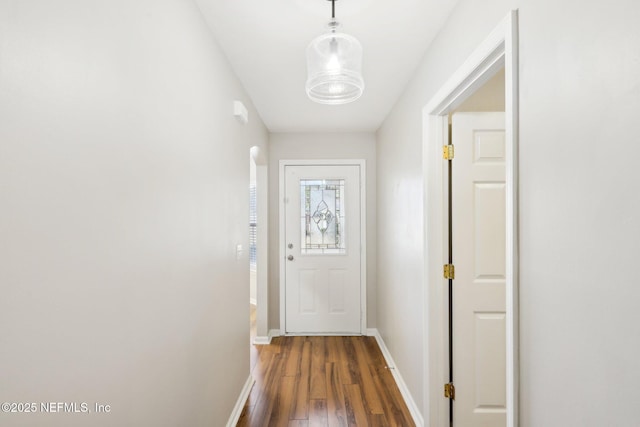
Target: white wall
(580,207)
(123,192)
(320,146)
(579,100)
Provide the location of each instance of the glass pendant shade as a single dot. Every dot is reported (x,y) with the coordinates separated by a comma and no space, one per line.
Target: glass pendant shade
(334,68)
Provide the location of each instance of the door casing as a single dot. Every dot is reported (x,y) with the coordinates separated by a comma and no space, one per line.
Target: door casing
(498,50)
(363,235)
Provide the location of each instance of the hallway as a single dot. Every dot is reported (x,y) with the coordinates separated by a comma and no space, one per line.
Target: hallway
(323,381)
(126,129)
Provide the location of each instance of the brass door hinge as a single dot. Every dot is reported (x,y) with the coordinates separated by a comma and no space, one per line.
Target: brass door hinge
(447,152)
(449,271)
(450,391)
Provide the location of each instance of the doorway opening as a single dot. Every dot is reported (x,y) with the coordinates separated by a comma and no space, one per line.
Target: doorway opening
(258,218)
(497,52)
(476,248)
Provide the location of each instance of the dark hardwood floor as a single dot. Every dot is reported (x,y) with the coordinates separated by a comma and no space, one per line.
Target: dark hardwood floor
(323,381)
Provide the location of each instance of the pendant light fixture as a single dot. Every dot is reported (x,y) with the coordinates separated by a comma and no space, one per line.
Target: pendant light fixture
(334,66)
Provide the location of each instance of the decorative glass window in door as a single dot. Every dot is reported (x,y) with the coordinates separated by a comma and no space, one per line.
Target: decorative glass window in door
(322,220)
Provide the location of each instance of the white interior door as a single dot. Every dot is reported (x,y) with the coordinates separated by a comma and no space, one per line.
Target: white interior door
(322,238)
(479,337)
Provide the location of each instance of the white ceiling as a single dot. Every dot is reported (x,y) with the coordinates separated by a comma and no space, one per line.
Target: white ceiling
(265,42)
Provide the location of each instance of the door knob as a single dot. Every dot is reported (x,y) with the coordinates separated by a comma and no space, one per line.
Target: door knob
(290,257)
(290,245)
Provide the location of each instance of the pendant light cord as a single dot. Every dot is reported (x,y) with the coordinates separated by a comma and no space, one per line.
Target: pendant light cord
(333,9)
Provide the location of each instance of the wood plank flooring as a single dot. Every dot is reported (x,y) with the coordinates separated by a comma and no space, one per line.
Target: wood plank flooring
(323,382)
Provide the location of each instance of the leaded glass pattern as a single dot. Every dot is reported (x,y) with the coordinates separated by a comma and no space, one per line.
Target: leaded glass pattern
(322,216)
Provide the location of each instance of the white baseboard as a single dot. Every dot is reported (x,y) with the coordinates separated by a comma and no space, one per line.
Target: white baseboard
(404,390)
(274,333)
(266,340)
(242,399)
(262,340)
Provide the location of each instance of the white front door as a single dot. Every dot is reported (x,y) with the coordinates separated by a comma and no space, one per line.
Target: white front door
(479,337)
(322,239)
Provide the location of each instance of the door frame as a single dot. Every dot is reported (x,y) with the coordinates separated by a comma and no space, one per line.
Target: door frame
(363,233)
(498,50)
